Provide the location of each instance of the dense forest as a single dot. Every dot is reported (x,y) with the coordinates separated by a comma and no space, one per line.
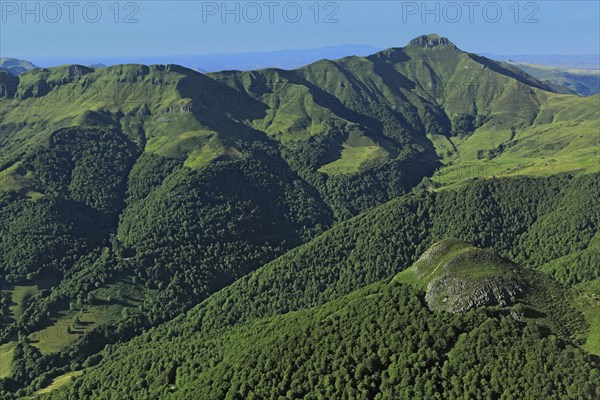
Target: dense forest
(380,342)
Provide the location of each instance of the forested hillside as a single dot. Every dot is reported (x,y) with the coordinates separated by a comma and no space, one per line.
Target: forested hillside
(132,194)
(376,246)
(379,342)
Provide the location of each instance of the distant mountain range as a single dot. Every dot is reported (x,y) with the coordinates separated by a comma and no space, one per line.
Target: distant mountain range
(290,59)
(575,74)
(15,66)
(285,59)
(575,61)
(584,82)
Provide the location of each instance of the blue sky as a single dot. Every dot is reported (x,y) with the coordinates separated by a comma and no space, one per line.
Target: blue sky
(145,28)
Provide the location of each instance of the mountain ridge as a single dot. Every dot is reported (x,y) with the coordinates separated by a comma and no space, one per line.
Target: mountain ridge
(15,66)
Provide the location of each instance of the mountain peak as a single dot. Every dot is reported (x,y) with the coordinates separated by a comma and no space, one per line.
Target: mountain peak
(431,40)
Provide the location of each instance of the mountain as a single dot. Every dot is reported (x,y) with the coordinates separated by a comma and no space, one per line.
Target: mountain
(573,61)
(581,81)
(475,115)
(133,198)
(15,66)
(285,59)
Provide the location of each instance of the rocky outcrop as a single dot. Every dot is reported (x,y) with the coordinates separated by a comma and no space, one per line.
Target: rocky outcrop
(458,294)
(8,85)
(458,276)
(41,81)
(431,40)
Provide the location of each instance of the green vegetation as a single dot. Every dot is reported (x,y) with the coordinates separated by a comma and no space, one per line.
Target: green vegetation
(589,305)
(360,346)
(59,381)
(70,325)
(569,143)
(379,244)
(354,254)
(458,276)
(431,264)
(172,206)
(352,158)
(6,357)
(20,297)
(104,306)
(16,299)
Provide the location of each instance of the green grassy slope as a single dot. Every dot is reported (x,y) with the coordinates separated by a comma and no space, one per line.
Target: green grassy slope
(589,305)
(59,381)
(6,357)
(432,263)
(562,138)
(481,118)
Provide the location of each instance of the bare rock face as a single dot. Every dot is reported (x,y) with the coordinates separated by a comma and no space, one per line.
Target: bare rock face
(8,85)
(457,276)
(39,82)
(458,294)
(431,40)
(463,277)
